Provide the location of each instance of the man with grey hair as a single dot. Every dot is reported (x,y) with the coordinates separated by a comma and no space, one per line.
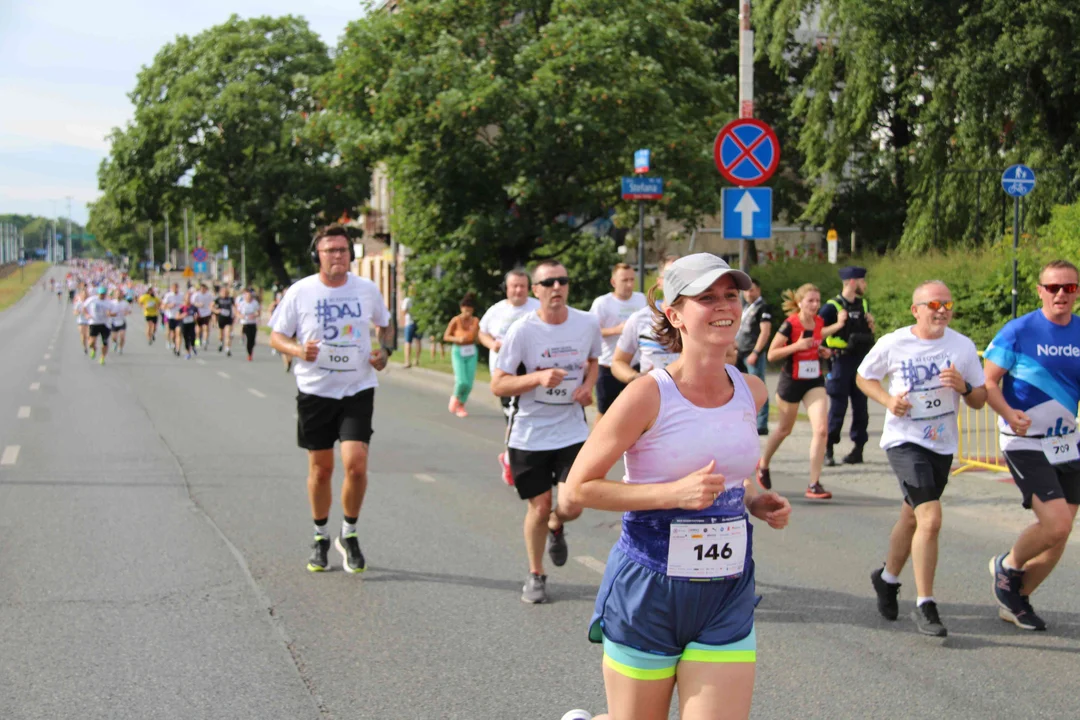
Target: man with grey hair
(930,368)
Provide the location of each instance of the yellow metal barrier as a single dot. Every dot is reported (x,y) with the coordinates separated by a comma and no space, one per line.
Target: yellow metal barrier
(978,446)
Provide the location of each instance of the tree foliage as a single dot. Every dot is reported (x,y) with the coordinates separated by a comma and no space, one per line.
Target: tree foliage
(904,97)
(507,125)
(217,127)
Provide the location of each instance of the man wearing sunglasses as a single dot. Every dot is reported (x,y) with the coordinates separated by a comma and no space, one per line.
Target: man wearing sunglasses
(930,369)
(549,361)
(1033,383)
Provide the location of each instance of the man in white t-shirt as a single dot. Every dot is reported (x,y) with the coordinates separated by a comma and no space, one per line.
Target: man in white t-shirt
(494,325)
(412,331)
(98,311)
(203,300)
(613,310)
(330,314)
(930,369)
(638,343)
(557,347)
(170,305)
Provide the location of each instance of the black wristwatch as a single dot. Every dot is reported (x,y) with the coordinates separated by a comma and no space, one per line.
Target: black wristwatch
(967,389)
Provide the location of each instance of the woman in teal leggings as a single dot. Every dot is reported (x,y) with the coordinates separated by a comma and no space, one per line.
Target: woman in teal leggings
(461,333)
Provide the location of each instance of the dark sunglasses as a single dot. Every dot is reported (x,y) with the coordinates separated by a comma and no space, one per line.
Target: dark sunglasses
(1054,289)
(936,305)
(550,282)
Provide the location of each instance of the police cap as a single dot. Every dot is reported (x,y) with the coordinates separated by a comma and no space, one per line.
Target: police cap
(852,272)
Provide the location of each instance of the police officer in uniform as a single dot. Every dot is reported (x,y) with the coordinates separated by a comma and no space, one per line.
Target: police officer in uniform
(849,346)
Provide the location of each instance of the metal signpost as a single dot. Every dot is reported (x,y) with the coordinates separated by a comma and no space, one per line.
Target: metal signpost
(642,189)
(1017,181)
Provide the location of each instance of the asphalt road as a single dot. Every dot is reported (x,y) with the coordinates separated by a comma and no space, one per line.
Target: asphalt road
(154,531)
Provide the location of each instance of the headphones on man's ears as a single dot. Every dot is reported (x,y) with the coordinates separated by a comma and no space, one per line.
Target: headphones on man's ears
(313,249)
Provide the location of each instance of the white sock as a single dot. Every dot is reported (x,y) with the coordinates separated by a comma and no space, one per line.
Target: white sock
(1005,564)
(348,529)
(320,531)
(919,602)
(889,577)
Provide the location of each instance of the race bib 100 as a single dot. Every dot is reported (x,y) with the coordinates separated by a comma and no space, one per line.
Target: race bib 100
(338,358)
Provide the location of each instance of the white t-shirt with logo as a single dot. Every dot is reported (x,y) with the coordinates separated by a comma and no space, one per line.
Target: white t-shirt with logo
(499,317)
(204,302)
(914,364)
(121,309)
(339,319)
(612,311)
(98,309)
(175,300)
(639,340)
(548,418)
(248,311)
(406,307)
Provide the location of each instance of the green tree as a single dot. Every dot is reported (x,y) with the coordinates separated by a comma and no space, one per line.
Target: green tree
(217,127)
(507,125)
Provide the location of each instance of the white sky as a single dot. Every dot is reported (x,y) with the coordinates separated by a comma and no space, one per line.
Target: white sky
(66,67)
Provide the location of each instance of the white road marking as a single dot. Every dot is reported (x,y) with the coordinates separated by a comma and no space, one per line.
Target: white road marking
(41,368)
(11,454)
(200,361)
(47,356)
(255,392)
(591,563)
(424,477)
(35,386)
(223,374)
(24,412)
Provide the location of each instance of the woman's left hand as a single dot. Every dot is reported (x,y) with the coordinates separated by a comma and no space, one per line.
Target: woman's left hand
(772,508)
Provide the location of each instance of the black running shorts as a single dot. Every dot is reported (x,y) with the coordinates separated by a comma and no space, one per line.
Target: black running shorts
(1034,475)
(791,390)
(923,474)
(322,421)
(100,330)
(174,323)
(204,319)
(151,319)
(223,322)
(608,388)
(537,471)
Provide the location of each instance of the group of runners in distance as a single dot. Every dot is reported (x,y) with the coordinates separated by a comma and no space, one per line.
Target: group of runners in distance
(678,377)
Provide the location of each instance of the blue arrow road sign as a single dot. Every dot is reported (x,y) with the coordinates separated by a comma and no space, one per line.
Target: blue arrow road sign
(199,267)
(1018,180)
(747,213)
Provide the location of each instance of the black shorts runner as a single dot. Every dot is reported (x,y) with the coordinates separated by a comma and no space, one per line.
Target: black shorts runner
(537,471)
(118,328)
(1034,475)
(102,330)
(151,319)
(174,323)
(923,474)
(322,421)
(791,390)
(224,321)
(608,388)
(204,320)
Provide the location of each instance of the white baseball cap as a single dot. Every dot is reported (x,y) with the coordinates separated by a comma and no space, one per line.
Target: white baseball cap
(694,274)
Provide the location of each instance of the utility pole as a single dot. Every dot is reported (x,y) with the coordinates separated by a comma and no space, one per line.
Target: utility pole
(67,252)
(186,255)
(243,263)
(746,85)
(150,265)
(167,256)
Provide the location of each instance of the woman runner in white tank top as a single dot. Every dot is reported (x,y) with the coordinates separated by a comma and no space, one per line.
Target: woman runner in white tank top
(677,600)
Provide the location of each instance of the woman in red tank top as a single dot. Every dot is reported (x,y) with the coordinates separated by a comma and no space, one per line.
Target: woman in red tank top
(798,343)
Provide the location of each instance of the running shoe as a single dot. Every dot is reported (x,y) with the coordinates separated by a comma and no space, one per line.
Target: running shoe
(535,589)
(453,406)
(101,360)
(556,546)
(507,474)
(228,353)
(928,621)
(887,594)
(319,550)
(764,479)
(818,492)
(461,412)
(189,356)
(352,560)
(249,357)
(1007,591)
(196,342)
(220,347)
(1026,619)
(93,353)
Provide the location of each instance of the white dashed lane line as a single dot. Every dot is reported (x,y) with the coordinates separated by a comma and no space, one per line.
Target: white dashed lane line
(256,393)
(424,477)
(41,368)
(591,563)
(223,374)
(35,386)
(47,356)
(24,412)
(10,455)
(200,361)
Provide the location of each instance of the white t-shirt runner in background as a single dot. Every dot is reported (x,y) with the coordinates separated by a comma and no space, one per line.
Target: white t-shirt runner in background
(248,310)
(612,311)
(914,364)
(499,317)
(98,309)
(175,300)
(639,340)
(122,309)
(406,307)
(204,301)
(548,418)
(339,319)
